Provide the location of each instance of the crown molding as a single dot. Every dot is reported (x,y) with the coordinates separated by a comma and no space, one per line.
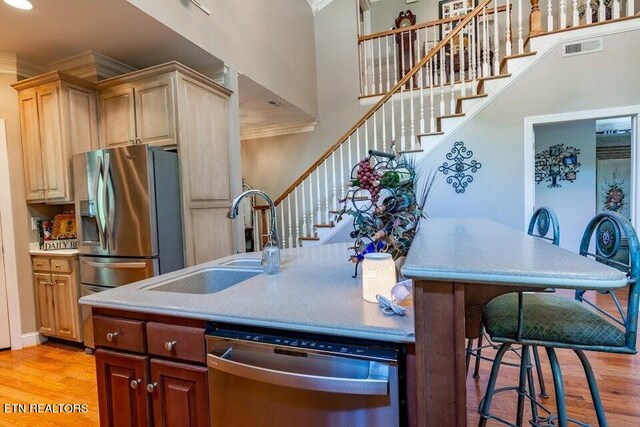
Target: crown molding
(277,130)
(8,63)
(92,66)
(20,66)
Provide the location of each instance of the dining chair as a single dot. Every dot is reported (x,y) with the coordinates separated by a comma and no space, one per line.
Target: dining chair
(552,321)
(544,225)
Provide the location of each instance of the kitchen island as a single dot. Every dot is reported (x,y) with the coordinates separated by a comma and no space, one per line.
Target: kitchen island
(151,356)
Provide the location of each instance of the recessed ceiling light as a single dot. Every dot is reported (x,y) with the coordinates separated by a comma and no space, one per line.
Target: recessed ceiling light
(20,4)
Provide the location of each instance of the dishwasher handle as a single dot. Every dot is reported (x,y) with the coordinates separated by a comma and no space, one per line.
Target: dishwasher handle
(376,384)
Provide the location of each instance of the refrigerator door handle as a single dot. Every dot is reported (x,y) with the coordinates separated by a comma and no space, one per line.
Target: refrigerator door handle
(96,200)
(111,206)
(120,265)
(105,203)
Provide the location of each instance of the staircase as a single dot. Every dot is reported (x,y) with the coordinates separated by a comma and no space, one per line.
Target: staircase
(441,92)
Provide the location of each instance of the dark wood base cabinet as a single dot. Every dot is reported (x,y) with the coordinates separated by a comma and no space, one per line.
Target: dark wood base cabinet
(151,371)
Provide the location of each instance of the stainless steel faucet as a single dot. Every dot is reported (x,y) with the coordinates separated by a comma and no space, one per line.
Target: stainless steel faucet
(271,251)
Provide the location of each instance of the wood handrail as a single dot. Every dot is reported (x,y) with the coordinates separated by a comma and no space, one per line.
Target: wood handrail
(425,25)
(385,98)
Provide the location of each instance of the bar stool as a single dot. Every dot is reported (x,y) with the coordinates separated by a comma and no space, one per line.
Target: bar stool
(553,321)
(544,225)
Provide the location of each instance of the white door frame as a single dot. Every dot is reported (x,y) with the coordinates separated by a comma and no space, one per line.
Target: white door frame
(530,148)
(8,243)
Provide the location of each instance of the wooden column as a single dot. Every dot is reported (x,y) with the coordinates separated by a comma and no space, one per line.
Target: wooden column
(535,19)
(440,354)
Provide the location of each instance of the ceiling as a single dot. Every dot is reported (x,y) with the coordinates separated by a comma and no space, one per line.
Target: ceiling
(59,29)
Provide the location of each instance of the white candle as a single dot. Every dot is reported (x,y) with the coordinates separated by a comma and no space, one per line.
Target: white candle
(378,276)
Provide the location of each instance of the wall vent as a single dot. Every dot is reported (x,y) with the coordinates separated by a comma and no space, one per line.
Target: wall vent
(582,47)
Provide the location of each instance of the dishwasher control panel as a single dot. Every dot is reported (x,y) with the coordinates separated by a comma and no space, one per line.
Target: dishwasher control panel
(382,352)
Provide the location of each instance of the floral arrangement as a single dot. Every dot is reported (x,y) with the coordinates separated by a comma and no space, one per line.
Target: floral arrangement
(614,197)
(385,204)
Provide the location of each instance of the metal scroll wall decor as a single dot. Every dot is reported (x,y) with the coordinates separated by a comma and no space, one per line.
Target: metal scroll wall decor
(461,167)
(557,163)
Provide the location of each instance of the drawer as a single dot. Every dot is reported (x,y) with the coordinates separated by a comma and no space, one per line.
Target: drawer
(176,342)
(122,334)
(41,264)
(60,265)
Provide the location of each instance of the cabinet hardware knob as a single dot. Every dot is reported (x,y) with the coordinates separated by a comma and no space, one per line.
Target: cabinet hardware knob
(136,383)
(152,387)
(131,141)
(138,141)
(56,266)
(112,336)
(170,345)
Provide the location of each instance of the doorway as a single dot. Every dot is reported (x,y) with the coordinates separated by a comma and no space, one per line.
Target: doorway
(582,164)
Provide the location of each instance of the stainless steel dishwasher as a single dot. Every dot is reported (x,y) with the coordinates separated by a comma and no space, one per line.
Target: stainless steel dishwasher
(259,379)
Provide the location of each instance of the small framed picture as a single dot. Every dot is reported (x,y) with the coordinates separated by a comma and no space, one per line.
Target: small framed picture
(449,8)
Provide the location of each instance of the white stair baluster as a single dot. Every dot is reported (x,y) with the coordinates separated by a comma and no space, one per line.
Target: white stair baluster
(319,204)
(375,131)
(630,8)
(550,15)
(393,119)
(432,117)
(463,83)
(563,14)
(575,17)
(304,207)
(507,31)
(602,11)
(496,39)
(387,60)
(297,242)
(357,147)
(520,32)
(380,65)
(326,193)
(312,218)
(421,83)
(615,10)
(402,130)
(342,166)
(366,137)
(284,238)
(384,129)
(363,68)
(289,220)
(452,79)
(474,64)
(442,77)
(589,13)
(395,64)
(485,45)
(373,68)
(334,205)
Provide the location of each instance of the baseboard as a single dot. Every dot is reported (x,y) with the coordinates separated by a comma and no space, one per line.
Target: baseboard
(32,339)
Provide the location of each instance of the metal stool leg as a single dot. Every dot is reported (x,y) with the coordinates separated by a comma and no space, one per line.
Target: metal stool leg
(559,387)
(536,358)
(522,384)
(469,349)
(476,373)
(593,387)
(532,394)
(491,385)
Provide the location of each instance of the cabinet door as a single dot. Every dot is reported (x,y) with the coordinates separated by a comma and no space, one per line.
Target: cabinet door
(180,395)
(65,304)
(117,117)
(122,395)
(55,163)
(44,298)
(32,154)
(155,111)
(81,113)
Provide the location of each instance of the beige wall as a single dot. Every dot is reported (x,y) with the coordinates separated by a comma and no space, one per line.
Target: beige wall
(274,163)
(9,112)
(272,42)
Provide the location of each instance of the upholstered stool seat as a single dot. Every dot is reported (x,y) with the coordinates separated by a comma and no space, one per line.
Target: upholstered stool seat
(550,318)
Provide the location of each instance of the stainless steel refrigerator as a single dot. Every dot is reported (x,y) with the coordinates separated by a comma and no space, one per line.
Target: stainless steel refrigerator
(128,217)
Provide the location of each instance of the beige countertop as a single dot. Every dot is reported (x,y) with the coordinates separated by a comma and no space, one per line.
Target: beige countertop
(34,249)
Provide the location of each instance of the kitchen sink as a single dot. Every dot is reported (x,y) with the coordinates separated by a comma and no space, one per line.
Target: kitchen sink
(207,281)
(243,262)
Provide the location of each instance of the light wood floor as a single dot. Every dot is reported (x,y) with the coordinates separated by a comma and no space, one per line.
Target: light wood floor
(55,373)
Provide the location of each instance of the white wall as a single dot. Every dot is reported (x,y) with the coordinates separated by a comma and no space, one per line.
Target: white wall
(553,85)
(574,202)
(271,41)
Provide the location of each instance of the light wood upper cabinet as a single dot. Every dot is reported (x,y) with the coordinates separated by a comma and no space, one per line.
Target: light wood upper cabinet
(31,148)
(139,112)
(57,119)
(117,117)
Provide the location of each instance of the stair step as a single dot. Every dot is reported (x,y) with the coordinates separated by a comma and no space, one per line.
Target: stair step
(309,238)
(484,79)
(503,61)
(430,134)
(330,225)
(463,98)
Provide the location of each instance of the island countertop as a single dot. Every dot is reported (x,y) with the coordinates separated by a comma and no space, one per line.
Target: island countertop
(314,292)
(482,251)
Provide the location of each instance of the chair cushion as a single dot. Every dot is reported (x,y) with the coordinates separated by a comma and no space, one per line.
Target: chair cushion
(550,318)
